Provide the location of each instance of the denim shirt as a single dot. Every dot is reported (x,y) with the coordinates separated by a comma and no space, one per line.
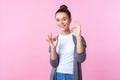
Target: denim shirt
(78,59)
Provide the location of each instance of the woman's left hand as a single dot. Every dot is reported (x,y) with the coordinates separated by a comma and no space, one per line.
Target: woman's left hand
(76,30)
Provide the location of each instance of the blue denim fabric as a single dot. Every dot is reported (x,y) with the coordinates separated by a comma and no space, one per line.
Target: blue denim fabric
(62,76)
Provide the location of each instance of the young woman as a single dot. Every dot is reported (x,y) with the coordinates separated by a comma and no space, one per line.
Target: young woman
(67,50)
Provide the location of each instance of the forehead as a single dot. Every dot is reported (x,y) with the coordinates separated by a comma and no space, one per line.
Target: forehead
(61,15)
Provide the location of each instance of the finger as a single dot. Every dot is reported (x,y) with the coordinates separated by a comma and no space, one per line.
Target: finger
(56,38)
(72,29)
(77,22)
(50,43)
(48,40)
(50,36)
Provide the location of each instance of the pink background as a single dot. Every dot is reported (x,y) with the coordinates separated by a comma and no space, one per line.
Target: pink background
(24,25)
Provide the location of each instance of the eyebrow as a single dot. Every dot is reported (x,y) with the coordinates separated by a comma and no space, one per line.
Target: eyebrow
(62,17)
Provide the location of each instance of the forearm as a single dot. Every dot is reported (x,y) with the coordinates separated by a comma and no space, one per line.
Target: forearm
(79,46)
(53,54)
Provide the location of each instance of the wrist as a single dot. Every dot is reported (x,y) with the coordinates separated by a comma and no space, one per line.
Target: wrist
(78,37)
(53,48)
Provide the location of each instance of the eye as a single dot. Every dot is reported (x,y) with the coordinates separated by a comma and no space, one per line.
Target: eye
(57,20)
(64,19)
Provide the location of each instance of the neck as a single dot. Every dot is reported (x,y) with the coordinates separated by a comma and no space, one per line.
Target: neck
(65,32)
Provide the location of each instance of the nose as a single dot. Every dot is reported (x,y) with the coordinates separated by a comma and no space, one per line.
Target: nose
(61,22)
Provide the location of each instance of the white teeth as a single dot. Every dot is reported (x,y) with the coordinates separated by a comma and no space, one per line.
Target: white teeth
(62,26)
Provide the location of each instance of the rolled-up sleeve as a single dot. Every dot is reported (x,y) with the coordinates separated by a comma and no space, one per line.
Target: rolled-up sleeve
(81,56)
(54,63)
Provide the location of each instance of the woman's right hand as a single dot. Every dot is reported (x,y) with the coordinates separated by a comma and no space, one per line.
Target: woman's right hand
(53,42)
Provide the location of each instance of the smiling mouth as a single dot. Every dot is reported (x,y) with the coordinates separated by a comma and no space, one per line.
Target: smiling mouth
(62,26)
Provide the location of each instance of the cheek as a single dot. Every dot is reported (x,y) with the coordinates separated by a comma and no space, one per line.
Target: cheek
(58,24)
(68,23)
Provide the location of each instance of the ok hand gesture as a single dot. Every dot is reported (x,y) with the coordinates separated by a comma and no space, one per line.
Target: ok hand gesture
(51,41)
(76,30)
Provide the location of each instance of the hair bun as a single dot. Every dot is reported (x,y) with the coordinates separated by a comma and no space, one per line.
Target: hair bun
(63,7)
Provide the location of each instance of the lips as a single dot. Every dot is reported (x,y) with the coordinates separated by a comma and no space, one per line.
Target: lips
(62,26)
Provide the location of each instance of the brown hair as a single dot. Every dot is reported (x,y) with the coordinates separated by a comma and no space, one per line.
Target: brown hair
(64,8)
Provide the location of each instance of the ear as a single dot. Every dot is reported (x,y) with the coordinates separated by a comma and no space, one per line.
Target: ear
(70,19)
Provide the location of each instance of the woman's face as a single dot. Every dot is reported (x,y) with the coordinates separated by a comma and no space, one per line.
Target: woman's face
(63,21)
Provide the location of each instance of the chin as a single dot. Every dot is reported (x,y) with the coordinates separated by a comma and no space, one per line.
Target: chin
(61,28)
